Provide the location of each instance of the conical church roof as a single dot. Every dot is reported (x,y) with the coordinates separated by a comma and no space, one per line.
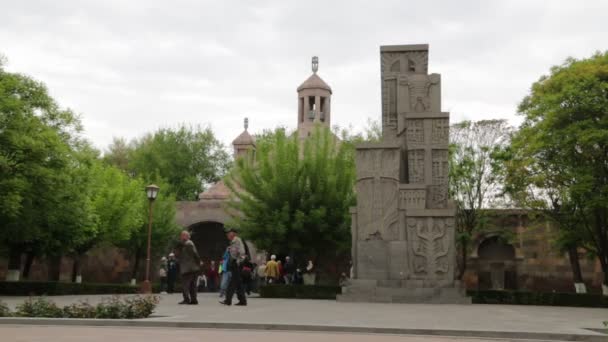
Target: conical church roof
(314,82)
(244,139)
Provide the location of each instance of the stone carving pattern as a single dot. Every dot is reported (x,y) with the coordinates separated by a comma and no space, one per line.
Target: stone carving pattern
(415,166)
(419,91)
(430,244)
(413,199)
(389,115)
(440,167)
(377,190)
(440,131)
(415,131)
(438,196)
(406,59)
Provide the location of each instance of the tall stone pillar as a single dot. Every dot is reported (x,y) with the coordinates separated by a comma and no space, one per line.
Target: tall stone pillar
(403,226)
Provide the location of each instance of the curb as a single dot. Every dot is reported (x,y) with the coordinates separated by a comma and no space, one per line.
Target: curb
(296,327)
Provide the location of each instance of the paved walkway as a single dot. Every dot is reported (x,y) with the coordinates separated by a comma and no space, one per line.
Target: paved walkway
(103,334)
(502,318)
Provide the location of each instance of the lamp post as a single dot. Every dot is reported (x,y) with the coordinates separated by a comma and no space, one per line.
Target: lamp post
(151,192)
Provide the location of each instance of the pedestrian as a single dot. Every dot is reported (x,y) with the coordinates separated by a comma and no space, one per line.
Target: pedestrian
(201,283)
(226,274)
(261,273)
(190,266)
(212,277)
(171,273)
(162,274)
(272,270)
(309,274)
(247,275)
(281,272)
(237,256)
(289,270)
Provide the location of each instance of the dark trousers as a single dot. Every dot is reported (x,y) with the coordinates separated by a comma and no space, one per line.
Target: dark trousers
(171,284)
(189,287)
(236,285)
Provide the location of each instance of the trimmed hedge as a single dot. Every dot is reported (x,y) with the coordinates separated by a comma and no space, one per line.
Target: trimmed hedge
(42,288)
(539,298)
(300,291)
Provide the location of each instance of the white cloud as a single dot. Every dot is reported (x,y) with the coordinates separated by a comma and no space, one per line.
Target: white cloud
(131,67)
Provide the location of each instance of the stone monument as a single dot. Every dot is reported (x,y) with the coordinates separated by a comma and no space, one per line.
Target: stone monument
(403,245)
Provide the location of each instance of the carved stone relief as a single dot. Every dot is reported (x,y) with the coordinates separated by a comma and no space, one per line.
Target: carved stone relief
(389,115)
(415,131)
(430,245)
(378,184)
(405,62)
(416,166)
(440,167)
(440,132)
(413,199)
(438,196)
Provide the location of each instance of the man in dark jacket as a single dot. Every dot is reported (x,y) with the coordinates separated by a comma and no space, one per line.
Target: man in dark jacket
(237,257)
(289,269)
(190,267)
(171,273)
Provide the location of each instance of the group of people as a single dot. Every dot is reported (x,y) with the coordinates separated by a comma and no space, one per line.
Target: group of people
(233,274)
(277,272)
(190,266)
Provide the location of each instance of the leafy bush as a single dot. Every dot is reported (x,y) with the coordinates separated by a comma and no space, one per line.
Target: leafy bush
(113,307)
(81,309)
(40,307)
(41,288)
(539,298)
(4,310)
(300,291)
(135,307)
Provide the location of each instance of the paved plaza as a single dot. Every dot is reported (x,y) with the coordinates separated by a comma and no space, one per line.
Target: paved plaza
(321,315)
(102,334)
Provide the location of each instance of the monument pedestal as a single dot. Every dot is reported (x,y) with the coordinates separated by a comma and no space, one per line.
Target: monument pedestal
(403,227)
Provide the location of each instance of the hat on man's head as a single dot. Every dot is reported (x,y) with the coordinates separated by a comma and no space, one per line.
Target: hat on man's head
(232,230)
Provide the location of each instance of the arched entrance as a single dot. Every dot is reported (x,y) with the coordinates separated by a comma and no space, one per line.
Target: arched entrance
(496,264)
(210,240)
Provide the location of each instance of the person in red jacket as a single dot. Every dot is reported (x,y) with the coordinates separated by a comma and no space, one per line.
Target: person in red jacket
(212,277)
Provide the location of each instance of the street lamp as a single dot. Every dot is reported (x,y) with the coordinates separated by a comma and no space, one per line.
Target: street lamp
(151,192)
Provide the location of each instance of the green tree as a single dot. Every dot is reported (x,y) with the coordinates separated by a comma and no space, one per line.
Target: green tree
(36,141)
(294,197)
(116,201)
(187,158)
(164,228)
(565,129)
(473,184)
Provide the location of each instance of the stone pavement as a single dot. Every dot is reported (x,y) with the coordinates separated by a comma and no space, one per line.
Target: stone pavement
(103,334)
(435,319)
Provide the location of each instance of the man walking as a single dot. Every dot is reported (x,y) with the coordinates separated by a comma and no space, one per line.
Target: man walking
(190,266)
(290,269)
(171,273)
(237,255)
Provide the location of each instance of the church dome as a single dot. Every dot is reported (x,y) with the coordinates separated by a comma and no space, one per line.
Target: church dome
(314,82)
(244,139)
(218,191)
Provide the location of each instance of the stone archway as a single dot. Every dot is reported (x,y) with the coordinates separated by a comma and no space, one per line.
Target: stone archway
(496,263)
(210,240)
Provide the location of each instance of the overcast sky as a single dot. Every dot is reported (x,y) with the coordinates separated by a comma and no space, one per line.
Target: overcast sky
(129,67)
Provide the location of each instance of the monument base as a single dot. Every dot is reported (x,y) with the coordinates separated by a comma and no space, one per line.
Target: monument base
(405,291)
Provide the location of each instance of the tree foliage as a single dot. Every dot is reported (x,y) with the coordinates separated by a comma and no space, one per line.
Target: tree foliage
(562,146)
(187,158)
(474,184)
(293,197)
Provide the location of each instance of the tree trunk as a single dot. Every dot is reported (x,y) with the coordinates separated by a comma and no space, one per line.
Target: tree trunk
(76,268)
(577,275)
(14,263)
(29,260)
(135,265)
(462,265)
(54,265)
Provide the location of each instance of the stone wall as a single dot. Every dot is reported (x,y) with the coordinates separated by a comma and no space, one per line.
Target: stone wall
(536,263)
